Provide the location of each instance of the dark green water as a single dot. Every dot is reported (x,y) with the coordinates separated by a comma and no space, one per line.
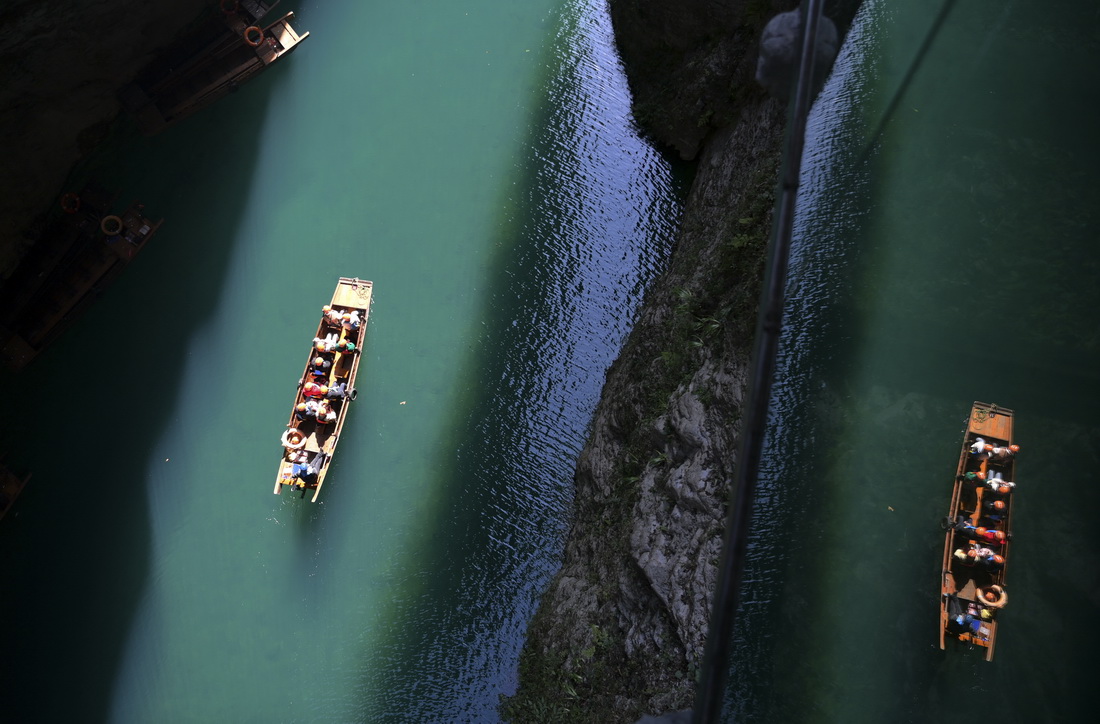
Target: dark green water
(946,253)
(477,162)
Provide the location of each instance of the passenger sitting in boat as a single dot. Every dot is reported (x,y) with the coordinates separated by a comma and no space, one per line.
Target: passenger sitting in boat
(321,366)
(991,562)
(346,347)
(1000,486)
(307,473)
(969,622)
(325,413)
(1003,454)
(297,456)
(980,611)
(986,535)
(312,389)
(339,391)
(328,344)
(979,448)
(963,525)
(350,320)
(989,535)
(332,316)
(306,410)
(995,509)
(966,557)
(976,477)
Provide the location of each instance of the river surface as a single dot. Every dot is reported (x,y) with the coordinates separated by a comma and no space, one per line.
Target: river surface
(477,162)
(945,253)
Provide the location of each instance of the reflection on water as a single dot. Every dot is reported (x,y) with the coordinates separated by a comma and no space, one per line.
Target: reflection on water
(934,247)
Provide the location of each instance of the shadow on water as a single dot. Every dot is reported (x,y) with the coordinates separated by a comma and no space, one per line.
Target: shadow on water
(76,560)
(949,281)
(515,438)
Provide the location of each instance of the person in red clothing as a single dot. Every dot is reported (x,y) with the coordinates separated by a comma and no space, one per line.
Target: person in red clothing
(989,535)
(312,389)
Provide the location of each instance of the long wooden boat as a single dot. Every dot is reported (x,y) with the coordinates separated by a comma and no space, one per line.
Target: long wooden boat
(326,389)
(978,531)
(210,63)
(82,251)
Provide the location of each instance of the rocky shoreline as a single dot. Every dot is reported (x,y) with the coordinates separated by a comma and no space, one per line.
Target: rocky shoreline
(621,630)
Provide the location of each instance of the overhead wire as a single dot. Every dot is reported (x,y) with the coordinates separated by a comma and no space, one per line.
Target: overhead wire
(711,689)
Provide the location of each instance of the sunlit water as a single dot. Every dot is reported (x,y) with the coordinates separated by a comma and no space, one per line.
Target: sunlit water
(945,253)
(477,162)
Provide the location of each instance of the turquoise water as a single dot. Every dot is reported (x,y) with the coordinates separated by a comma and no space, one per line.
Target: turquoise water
(945,253)
(477,163)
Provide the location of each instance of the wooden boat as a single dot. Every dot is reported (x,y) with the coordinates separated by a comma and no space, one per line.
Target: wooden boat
(210,63)
(309,442)
(11,485)
(82,251)
(978,524)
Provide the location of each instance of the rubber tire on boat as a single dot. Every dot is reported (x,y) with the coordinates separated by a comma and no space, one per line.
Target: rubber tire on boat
(251,30)
(111,225)
(290,445)
(1002,597)
(70,203)
(352,395)
(946,522)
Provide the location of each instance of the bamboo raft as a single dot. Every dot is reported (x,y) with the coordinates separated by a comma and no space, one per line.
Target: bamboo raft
(326,389)
(978,524)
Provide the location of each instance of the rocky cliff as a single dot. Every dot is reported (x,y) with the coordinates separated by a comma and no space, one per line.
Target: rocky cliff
(621,630)
(62,63)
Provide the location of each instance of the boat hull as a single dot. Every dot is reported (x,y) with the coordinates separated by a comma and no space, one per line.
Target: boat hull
(309,444)
(967,580)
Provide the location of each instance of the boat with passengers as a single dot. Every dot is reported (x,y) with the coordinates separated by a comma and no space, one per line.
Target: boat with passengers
(978,529)
(325,390)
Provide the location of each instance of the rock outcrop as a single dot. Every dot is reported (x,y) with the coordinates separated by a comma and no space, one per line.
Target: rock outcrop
(622,628)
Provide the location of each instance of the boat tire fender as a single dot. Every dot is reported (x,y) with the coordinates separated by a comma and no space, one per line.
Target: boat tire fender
(1001,596)
(253,35)
(70,203)
(946,523)
(297,442)
(111,225)
(352,394)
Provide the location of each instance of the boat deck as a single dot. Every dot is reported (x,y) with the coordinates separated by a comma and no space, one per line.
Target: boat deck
(351,294)
(963,583)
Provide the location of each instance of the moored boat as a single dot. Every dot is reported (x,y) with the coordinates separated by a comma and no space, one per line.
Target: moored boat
(978,530)
(229,49)
(81,252)
(326,389)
